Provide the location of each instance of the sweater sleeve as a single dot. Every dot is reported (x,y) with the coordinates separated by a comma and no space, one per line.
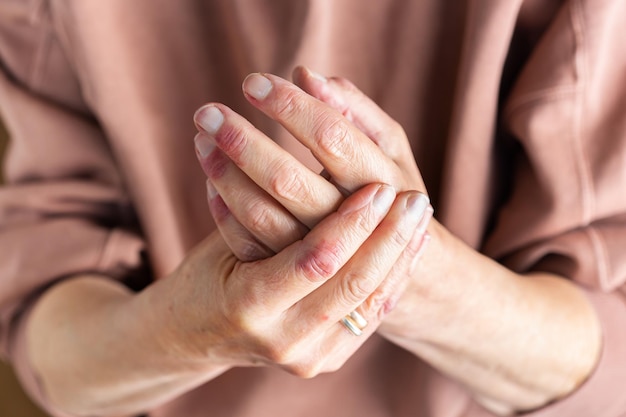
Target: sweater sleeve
(567,211)
(63,208)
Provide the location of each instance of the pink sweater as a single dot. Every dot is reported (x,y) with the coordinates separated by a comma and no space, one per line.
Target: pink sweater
(516,116)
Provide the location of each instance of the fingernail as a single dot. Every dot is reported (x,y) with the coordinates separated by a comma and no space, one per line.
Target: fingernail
(257,86)
(315,75)
(210,118)
(210,190)
(384,198)
(204,145)
(417,204)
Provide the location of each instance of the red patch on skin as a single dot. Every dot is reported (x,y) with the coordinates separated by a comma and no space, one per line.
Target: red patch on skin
(219,209)
(389,305)
(321,262)
(216,164)
(232,141)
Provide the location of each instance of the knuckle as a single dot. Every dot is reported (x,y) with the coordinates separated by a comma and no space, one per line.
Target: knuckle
(400,236)
(219,210)
(216,165)
(287,184)
(241,309)
(365,221)
(288,356)
(260,218)
(304,370)
(251,251)
(373,306)
(277,354)
(289,105)
(358,288)
(315,366)
(320,263)
(232,141)
(334,137)
(239,318)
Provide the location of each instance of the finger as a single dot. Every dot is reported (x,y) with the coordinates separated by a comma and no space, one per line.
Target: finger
(258,212)
(240,241)
(337,344)
(346,153)
(363,112)
(386,296)
(302,192)
(363,275)
(366,115)
(287,277)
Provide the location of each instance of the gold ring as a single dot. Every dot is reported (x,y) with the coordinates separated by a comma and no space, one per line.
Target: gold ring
(355,323)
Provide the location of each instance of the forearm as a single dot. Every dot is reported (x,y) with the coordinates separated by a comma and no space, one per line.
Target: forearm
(517,342)
(99,349)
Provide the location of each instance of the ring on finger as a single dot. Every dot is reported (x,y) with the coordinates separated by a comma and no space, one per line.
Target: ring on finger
(354,322)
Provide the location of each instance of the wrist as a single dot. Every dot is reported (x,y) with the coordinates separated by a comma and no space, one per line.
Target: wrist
(432,292)
(517,342)
(174,338)
(94,351)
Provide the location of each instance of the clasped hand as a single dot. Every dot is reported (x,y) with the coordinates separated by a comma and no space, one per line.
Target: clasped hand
(303,249)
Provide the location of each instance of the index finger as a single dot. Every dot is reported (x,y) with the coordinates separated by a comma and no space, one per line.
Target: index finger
(351,158)
(305,194)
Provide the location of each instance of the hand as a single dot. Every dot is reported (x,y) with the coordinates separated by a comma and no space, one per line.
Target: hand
(265,199)
(285,310)
(368,146)
(395,154)
(453,313)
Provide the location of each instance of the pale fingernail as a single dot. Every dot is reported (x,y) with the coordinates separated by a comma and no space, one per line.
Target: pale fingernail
(204,145)
(210,190)
(417,204)
(210,118)
(384,198)
(315,75)
(257,86)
